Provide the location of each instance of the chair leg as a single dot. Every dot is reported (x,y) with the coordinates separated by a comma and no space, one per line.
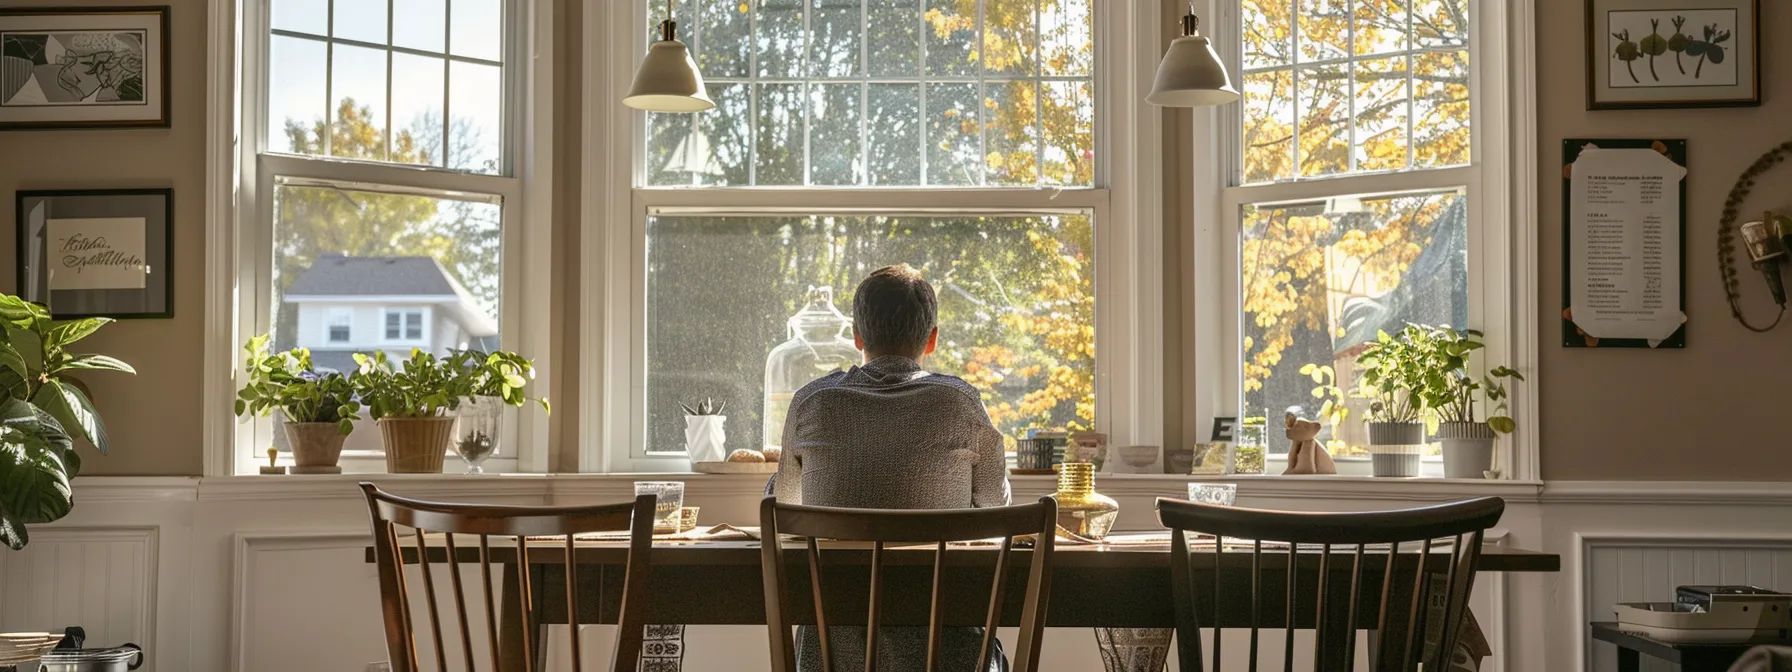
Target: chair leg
(510,623)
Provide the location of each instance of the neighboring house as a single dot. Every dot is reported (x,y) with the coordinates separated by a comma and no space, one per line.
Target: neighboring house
(362,304)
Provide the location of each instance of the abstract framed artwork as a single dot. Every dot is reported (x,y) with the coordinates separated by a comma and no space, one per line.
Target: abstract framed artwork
(1662,54)
(84,67)
(98,253)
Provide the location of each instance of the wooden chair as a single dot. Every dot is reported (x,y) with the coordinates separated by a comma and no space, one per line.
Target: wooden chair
(389,512)
(1397,590)
(880,527)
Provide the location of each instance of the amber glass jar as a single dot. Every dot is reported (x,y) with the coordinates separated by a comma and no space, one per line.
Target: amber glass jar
(1082,510)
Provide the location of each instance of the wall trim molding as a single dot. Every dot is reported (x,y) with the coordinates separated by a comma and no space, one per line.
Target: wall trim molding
(148,536)
(244,545)
(1704,493)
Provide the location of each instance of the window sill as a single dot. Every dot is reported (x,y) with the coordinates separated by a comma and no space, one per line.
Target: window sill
(1276,486)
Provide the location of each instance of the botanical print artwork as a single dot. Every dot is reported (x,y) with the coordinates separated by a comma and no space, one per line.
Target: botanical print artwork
(72,68)
(1672,48)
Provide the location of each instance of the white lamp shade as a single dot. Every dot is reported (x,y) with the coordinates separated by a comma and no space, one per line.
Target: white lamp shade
(668,81)
(1191,76)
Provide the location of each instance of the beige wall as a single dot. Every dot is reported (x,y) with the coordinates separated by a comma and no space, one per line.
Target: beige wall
(1708,412)
(153,416)
(1715,410)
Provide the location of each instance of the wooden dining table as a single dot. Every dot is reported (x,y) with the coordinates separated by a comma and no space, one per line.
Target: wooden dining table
(1093,585)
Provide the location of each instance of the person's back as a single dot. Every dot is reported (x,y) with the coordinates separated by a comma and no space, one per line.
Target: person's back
(889,435)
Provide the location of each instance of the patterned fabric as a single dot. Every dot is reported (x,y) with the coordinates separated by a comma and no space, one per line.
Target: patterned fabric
(662,648)
(1133,649)
(888,435)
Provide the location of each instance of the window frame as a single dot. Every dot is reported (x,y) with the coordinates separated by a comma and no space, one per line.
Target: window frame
(243,228)
(1125,200)
(404,315)
(1499,183)
(343,318)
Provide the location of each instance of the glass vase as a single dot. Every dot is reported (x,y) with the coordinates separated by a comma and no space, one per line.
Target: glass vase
(476,433)
(818,345)
(1081,510)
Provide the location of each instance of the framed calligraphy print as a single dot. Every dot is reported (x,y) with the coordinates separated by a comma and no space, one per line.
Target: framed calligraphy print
(98,253)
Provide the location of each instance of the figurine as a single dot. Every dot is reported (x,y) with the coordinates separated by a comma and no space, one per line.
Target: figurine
(1306,456)
(273,460)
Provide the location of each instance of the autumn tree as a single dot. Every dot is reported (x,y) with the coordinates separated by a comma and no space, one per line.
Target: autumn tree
(314,220)
(1371,96)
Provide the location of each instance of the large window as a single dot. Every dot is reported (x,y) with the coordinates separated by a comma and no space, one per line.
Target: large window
(1352,196)
(382,197)
(924,131)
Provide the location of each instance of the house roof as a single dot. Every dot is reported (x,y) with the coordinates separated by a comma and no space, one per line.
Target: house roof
(339,275)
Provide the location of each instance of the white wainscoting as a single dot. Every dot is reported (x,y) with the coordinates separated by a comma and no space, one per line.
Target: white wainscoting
(101,578)
(267,574)
(1646,569)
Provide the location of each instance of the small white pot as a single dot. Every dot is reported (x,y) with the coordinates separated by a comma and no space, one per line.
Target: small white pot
(704,438)
(1468,448)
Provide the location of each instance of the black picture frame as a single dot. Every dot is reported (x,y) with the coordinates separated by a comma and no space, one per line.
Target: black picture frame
(1601,53)
(162,61)
(1225,429)
(1572,336)
(156,206)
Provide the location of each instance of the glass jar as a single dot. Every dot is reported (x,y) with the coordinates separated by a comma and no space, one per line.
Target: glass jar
(818,346)
(476,435)
(1081,510)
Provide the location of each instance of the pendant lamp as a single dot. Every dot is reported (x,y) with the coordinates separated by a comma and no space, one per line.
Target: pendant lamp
(1191,74)
(668,79)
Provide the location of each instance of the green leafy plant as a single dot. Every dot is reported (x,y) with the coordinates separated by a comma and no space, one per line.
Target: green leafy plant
(41,405)
(1403,376)
(706,407)
(1628,52)
(503,375)
(424,386)
(1709,49)
(288,381)
(1325,389)
(1458,404)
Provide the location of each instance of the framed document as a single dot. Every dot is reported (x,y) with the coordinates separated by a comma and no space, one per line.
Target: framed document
(1623,243)
(99,253)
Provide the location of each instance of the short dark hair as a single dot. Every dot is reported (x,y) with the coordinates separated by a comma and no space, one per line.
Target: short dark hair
(894,311)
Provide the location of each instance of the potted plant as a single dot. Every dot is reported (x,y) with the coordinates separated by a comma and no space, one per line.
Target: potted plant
(319,409)
(486,383)
(1467,441)
(41,409)
(410,402)
(414,401)
(1401,379)
(704,437)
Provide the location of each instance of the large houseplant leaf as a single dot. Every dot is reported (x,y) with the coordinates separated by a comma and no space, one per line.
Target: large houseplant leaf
(37,422)
(95,362)
(12,532)
(64,332)
(34,487)
(72,410)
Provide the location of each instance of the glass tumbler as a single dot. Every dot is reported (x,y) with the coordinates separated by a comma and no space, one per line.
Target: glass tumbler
(668,499)
(1223,494)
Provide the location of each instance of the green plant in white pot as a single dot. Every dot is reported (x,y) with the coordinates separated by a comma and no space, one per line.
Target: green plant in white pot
(318,409)
(1468,442)
(1400,378)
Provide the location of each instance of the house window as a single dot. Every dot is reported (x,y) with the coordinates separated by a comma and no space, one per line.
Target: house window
(924,133)
(404,325)
(340,321)
(383,164)
(1355,201)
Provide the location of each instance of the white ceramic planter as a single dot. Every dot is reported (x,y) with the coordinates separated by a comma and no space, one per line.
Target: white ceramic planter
(1467,447)
(704,438)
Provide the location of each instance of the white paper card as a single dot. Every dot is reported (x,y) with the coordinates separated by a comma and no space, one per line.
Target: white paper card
(97,253)
(1624,247)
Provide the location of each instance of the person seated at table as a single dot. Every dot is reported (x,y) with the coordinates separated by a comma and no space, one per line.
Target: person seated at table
(887,434)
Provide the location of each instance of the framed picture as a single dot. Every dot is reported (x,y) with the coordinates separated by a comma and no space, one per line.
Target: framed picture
(1659,54)
(83,67)
(98,253)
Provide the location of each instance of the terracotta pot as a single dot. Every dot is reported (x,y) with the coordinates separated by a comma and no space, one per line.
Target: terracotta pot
(314,444)
(416,445)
